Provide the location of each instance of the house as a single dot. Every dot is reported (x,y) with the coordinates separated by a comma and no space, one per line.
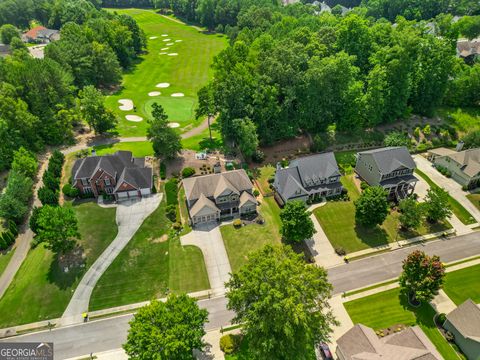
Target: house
(468,49)
(218,196)
(41,35)
(361,343)
(308,178)
(120,175)
(391,168)
(463,165)
(464,324)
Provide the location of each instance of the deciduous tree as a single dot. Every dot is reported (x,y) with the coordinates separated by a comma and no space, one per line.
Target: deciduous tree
(437,207)
(296,223)
(165,141)
(411,213)
(93,109)
(372,207)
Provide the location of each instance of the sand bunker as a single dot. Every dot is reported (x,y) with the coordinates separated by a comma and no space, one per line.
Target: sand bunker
(170,44)
(134,118)
(163,85)
(172,54)
(163,49)
(164,35)
(178,40)
(153,37)
(167,40)
(174,125)
(162,53)
(154,93)
(126,104)
(178,95)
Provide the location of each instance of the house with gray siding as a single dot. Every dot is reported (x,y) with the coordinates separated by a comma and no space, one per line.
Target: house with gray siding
(361,343)
(463,165)
(308,178)
(464,324)
(219,196)
(391,168)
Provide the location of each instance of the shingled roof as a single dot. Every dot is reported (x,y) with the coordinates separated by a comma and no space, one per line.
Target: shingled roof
(469,160)
(466,319)
(391,158)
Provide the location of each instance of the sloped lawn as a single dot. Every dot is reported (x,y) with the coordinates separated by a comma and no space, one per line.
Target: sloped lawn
(463,284)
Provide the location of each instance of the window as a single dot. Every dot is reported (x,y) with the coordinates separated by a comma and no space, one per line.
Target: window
(109,190)
(107,182)
(87,190)
(85,182)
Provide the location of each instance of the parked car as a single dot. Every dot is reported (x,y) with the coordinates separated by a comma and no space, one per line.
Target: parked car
(325,352)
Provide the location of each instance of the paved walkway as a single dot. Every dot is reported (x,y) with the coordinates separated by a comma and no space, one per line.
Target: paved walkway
(321,248)
(25,237)
(209,239)
(130,216)
(342,316)
(442,303)
(450,185)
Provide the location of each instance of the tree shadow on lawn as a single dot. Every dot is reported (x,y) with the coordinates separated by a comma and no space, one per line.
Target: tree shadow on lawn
(372,237)
(75,262)
(424,313)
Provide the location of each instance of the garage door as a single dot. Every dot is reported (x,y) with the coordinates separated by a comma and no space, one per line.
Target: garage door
(133,193)
(145,191)
(122,195)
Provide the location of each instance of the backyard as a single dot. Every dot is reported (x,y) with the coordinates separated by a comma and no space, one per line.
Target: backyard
(41,289)
(178,61)
(463,284)
(152,264)
(389,308)
(337,219)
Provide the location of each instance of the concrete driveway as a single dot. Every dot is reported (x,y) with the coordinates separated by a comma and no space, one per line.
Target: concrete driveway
(209,239)
(450,185)
(129,217)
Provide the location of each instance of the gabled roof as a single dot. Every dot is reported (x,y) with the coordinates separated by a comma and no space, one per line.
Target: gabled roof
(361,343)
(224,187)
(288,183)
(247,197)
(33,33)
(466,319)
(201,203)
(392,158)
(469,160)
(208,184)
(140,178)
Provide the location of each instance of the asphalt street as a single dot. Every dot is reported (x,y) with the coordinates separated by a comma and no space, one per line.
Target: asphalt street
(110,333)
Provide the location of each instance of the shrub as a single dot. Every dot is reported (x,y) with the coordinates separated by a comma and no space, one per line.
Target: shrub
(237,223)
(258,156)
(177,226)
(340,251)
(8,237)
(229,343)
(51,181)
(70,191)
(163,171)
(171,190)
(363,185)
(256,192)
(12,227)
(171,213)
(284,163)
(3,244)
(219,28)
(34,219)
(427,130)
(449,336)
(440,319)
(187,172)
(444,171)
(47,196)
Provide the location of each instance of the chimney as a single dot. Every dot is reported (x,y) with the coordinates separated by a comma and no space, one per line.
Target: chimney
(459,146)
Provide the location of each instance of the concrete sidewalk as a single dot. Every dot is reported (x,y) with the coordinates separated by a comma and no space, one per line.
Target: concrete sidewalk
(208,238)
(130,216)
(442,303)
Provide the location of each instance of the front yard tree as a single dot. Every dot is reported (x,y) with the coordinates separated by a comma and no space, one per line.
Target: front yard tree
(92,106)
(296,223)
(282,304)
(165,141)
(372,207)
(437,207)
(57,227)
(422,276)
(167,330)
(246,135)
(410,213)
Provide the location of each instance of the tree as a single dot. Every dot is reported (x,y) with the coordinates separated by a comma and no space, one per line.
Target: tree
(472,139)
(410,213)
(246,135)
(372,207)
(396,138)
(422,276)
(296,223)
(92,105)
(24,162)
(166,330)
(8,32)
(57,228)
(436,206)
(15,198)
(48,196)
(165,141)
(282,304)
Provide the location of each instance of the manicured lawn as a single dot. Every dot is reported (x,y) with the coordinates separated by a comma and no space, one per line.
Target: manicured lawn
(202,140)
(41,289)
(138,148)
(265,173)
(463,284)
(385,309)
(475,200)
(152,263)
(186,73)
(240,242)
(459,211)
(5,259)
(463,120)
(337,219)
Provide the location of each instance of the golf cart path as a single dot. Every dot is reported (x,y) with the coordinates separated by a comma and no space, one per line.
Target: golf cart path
(129,217)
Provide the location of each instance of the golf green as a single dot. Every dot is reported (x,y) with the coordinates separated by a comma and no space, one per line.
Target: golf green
(183,74)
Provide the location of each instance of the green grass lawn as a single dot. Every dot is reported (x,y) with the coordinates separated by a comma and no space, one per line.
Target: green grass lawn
(186,73)
(463,284)
(337,219)
(138,148)
(152,263)
(463,120)
(41,289)
(388,308)
(459,211)
(474,199)
(5,259)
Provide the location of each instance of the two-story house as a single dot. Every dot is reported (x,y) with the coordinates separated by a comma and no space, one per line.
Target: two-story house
(120,175)
(391,168)
(308,178)
(219,196)
(463,165)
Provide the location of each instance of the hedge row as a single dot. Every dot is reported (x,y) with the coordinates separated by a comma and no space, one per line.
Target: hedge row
(48,194)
